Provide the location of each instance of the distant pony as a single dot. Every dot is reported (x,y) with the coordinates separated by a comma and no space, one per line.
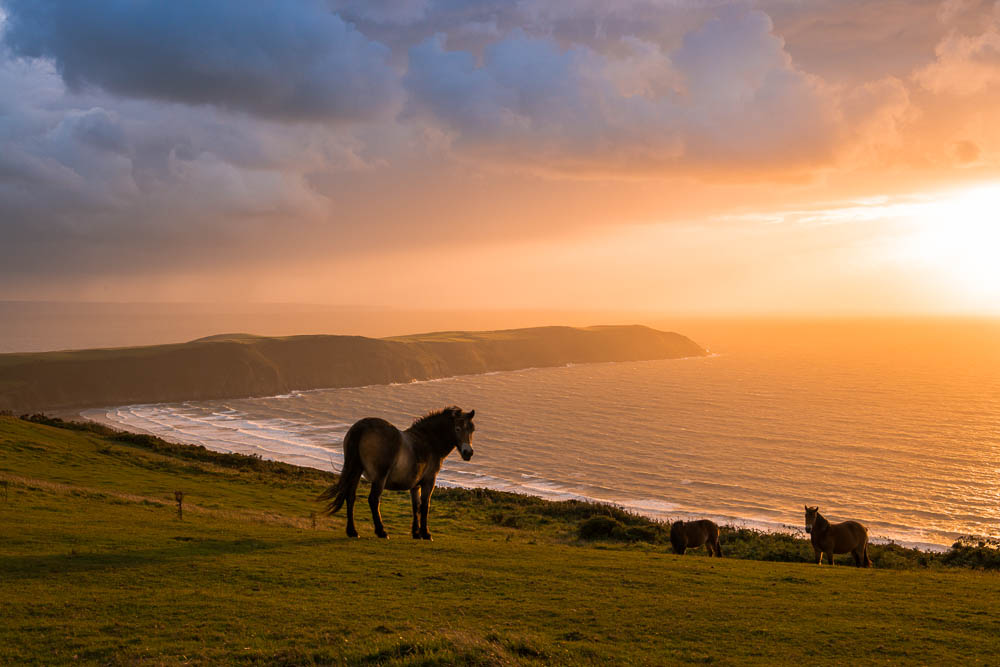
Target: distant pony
(837,538)
(684,534)
(399,461)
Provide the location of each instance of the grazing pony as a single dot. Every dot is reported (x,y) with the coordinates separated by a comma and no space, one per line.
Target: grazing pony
(400,461)
(837,538)
(684,534)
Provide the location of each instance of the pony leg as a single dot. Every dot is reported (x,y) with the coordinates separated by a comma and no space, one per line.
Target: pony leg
(415,501)
(351,497)
(819,556)
(718,549)
(867,562)
(830,557)
(857,557)
(426,489)
(373,502)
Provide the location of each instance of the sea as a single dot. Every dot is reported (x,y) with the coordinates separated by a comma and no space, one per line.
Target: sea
(891,422)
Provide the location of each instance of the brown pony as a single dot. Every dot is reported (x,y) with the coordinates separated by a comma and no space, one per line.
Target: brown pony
(837,538)
(399,461)
(684,534)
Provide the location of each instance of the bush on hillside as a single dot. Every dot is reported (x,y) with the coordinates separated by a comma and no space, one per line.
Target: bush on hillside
(759,545)
(976,552)
(601,528)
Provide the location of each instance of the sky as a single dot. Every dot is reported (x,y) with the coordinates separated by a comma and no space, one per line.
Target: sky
(778,156)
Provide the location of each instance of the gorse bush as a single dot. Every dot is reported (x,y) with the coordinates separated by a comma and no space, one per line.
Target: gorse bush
(975,552)
(606,528)
(754,544)
(540,509)
(601,528)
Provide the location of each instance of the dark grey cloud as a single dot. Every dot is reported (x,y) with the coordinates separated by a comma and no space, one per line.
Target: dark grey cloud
(140,136)
(473,24)
(637,85)
(711,99)
(90,183)
(291,59)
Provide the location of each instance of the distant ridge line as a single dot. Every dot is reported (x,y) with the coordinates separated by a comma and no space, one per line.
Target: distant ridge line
(239,365)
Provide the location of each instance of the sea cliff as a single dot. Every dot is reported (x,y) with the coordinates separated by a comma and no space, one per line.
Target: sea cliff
(241,365)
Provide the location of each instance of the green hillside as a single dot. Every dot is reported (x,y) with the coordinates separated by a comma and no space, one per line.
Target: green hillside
(238,365)
(95,567)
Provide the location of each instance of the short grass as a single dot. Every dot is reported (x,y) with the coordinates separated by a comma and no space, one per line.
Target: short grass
(95,567)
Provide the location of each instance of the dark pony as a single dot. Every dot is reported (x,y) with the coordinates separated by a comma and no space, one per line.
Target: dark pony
(399,461)
(684,534)
(837,538)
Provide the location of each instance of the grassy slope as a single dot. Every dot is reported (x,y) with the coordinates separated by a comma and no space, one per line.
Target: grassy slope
(94,565)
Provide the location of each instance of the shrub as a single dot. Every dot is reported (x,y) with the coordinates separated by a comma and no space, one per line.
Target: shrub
(975,552)
(601,528)
(758,545)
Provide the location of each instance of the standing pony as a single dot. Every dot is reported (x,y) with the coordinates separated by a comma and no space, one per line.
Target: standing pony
(399,461)
(684,534)
(837,538)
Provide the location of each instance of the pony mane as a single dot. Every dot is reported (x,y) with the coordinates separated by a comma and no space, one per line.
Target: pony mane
(433,419)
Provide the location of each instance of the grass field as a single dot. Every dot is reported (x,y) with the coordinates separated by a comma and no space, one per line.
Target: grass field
(96,567)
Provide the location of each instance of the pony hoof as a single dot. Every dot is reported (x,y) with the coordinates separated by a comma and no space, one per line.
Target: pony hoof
(352,533)
(427,536)
(383,536)
(416,536)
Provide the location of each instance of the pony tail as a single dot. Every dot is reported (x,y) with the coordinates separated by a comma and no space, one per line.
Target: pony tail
(349,474)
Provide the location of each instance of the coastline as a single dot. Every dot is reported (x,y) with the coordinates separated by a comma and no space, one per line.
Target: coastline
(557,494)
(638,507)
(242,366)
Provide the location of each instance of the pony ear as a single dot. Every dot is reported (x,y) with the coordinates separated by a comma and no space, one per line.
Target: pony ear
(471,414)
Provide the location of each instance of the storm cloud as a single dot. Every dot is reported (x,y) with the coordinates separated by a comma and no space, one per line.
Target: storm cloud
(141,136)
(290,60)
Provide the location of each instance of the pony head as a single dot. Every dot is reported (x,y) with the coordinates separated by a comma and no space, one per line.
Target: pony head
(678,539)
(811,513)
(463,432)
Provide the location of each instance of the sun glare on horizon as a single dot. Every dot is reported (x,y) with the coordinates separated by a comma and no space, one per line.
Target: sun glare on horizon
(957,236)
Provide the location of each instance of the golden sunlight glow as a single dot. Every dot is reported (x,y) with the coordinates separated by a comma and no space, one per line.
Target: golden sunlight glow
(958,237)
